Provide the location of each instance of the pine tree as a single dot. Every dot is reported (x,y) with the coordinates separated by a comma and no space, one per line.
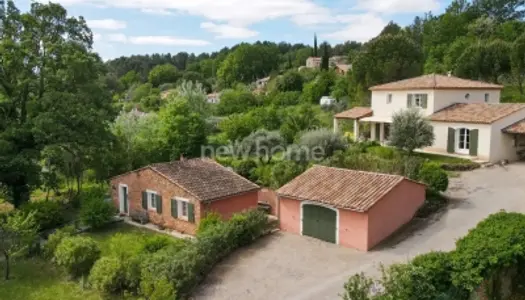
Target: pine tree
(315,45)
(325,61)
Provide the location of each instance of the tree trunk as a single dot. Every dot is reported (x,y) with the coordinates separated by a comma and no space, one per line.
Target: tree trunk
(6,256)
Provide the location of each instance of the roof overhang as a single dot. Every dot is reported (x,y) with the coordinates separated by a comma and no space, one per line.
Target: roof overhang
(377,119)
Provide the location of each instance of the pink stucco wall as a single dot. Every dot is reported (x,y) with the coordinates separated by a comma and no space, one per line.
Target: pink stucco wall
(234,204)
(363,231)
(396,209)
(353,228)
(290,215)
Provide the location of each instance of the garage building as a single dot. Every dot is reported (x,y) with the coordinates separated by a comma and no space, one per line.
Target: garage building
(352,208)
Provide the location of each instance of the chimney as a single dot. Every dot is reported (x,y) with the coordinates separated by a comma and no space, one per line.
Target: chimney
(181,158)
(449,73)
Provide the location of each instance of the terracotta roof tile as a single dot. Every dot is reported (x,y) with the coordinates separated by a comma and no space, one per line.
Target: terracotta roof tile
(357,112)
(435,81)
(341,188)
(481,113)
(205,178)
(518,128)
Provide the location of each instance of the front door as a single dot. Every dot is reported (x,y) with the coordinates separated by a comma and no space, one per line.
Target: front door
(463,141)
(319,222)
(123,196)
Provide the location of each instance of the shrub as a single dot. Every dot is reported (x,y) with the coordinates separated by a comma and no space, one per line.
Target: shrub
(211,220)
(382,152)
(358,287)
(323,139)
(411,130)
(157,242)
(107,275)
(434,176)
(55,238)
(124,246)
(245,168)
(285,171)
(48,214)
(96,212)
(77,255)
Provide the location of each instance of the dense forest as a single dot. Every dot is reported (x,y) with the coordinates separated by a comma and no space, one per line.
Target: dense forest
(67,116)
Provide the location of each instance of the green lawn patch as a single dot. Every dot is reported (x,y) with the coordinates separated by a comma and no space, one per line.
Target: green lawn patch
(36,279)
(443,158)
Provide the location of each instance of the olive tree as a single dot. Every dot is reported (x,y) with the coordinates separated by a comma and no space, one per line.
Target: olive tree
(410,131)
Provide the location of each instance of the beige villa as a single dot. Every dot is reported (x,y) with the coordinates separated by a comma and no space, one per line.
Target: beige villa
(467,116)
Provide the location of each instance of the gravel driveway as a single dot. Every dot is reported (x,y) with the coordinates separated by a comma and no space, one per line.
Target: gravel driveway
(286,266)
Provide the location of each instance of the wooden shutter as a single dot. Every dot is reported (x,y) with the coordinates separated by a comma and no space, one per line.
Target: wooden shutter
(409,100)
(424,101)
(158,199)
(174,207)
(474,138)
(451,143)
(191,213)
(144,199)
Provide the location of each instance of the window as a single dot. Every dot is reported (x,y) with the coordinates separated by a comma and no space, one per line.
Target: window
(183,208)
(417,100)
(388,98)
(467,95)
(487,97)
(152,199)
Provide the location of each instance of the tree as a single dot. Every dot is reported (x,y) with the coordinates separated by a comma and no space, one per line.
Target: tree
(410,131)
(323,139)
(387,58)
(325,60)
(77,254)
(297,119)
(290,81)
(284,171)
(518,62)
(183,131)
(129,79)
(63,105)
(17,232)
(485,61)
(263,144)
(236,101)
(391,28)
(196,96)
(502,10)
(248,63)
(315,46)
(166,73)
(319,87)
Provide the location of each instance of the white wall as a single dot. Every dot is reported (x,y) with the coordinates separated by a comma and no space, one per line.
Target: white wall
(399,102)
(502,144)
(484,137)
(444,98)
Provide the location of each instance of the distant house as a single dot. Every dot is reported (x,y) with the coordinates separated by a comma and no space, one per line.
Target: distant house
(261,83)
(313,62)
(214,98)
(342,69)
(466,115)
(350,208)
(326,100)
(178,194)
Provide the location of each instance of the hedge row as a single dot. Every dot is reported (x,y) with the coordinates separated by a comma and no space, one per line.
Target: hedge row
(496,244)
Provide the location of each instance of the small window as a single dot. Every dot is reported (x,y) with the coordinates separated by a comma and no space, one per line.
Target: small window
(152,200)
(388,98)
(183,209)
(487,97)
(467,95)
(419,100)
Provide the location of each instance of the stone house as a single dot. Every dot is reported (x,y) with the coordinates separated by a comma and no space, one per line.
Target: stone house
(178,194)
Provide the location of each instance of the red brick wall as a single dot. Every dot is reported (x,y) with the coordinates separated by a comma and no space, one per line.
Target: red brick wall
(234,204)
(396,209)
(270,197)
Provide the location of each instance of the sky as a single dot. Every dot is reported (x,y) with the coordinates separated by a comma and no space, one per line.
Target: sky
(126,27)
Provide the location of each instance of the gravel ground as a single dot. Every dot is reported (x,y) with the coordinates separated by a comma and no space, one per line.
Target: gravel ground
(286,266)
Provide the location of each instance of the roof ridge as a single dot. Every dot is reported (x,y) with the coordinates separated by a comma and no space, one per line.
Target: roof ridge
(360,171)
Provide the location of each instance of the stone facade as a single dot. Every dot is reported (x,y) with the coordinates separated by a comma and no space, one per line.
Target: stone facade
(147,179)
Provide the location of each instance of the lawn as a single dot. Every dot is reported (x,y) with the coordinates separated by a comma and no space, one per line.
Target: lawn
(443,158)
(37,279)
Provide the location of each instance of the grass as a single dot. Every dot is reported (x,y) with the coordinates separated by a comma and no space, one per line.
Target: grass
(37,279)
(443,158)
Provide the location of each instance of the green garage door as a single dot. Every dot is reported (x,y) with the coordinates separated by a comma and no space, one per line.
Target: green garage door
(319,222)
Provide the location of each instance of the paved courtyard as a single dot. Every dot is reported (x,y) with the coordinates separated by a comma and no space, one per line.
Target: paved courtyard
(286,266)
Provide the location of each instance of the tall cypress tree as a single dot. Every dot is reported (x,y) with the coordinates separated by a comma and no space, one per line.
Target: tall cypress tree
(325,61)
(315,44)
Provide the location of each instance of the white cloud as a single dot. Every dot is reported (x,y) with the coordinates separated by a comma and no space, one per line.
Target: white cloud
(358,28)
(225,31)
(162,12)
(106,24)
(163,40)
(398,6)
